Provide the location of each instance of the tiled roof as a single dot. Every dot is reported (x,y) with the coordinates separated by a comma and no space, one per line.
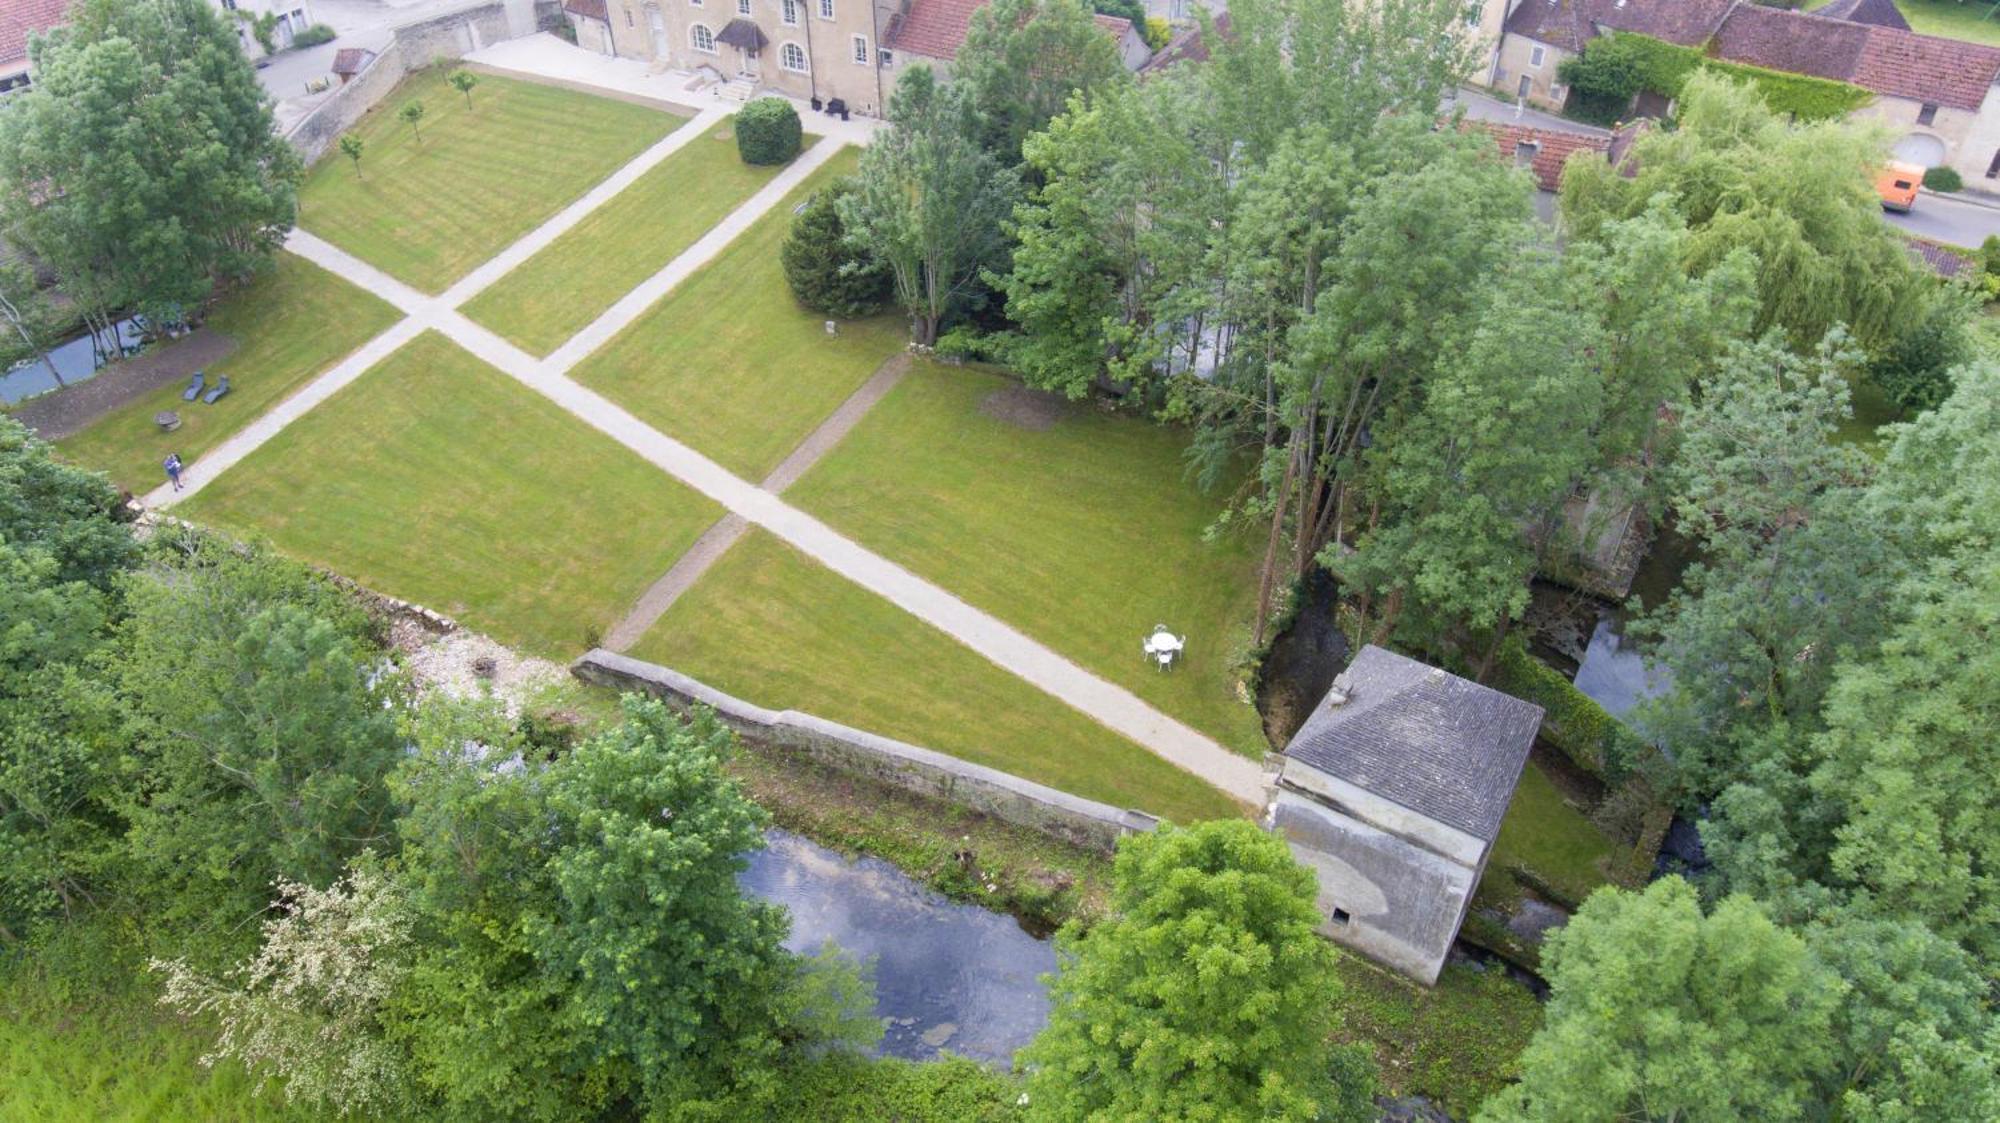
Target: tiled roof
(1881,13)
(937,28)
(1188,46)
(351,60)
(589,9)
(22,18)
(1940,260)
(1926,68)
(1778,40)
(933,28)
(1552,150)
(1440,745)
(1569,24)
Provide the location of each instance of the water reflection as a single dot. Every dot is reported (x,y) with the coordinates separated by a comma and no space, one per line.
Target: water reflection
(1613,673)
(75,360)
(947,976)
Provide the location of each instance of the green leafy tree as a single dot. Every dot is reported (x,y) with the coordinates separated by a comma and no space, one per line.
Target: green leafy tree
(351,147)
(69,514)
(1023,60)
(411,114)
(1798,197)
(143,166)
(261,736)
(827,272)
(463,81)
(768,131)
(1207,995)
(1657,1012)
(1915,367)
(28,316)
(929,201)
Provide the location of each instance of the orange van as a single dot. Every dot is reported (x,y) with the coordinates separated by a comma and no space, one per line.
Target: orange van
(1897,184)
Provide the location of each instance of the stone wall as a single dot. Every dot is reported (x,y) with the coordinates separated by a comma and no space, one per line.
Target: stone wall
(923,771)
(412,46)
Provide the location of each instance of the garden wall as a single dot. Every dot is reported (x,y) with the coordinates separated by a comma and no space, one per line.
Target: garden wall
(412,46)
(1056,813)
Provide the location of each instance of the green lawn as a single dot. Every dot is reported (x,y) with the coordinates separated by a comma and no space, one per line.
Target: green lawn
(1974,21)
(290,325)
(1457,1042)
(773,628)
(1551,838)
(1084,534)
(428,211)
(730,364)
(438,479)
(559,290)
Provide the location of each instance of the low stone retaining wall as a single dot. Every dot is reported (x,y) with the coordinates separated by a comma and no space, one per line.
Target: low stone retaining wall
(926,772)
(413,46)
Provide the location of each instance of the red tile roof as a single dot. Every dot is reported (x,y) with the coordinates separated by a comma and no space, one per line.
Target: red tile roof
(1570,24)
(1941,261)
(933,28)
(22,18)
(589,9)
(351,60)
(936,28)
(1552,150)
(1188,46)
(1926,68)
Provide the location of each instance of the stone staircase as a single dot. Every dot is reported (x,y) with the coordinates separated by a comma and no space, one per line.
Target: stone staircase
(737,89)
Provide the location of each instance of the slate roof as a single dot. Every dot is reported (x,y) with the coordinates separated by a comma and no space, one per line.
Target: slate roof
(1881,13)
(352,60)
(1440,745)
(589,9)
(1553,147)
(1938,259)
(1570,24)
(22,18)
(742,33)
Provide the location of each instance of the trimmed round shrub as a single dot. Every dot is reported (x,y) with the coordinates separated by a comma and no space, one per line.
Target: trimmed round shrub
(826,273)
(767,131)
(1944,179)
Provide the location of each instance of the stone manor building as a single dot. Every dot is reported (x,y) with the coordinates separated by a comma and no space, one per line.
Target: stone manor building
(1393,792)
(807,49)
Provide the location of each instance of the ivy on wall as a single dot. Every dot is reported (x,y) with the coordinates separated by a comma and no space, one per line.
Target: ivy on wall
(1614,67)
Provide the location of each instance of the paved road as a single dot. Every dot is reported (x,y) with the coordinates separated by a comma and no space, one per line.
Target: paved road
(1946,219)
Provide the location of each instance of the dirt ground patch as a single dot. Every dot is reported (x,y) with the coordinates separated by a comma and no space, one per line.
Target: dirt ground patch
(1028,408)
(64,412)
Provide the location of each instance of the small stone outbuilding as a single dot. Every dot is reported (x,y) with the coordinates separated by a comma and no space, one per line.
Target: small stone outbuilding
(1393,792)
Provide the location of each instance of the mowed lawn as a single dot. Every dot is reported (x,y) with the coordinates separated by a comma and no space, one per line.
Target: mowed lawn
(438,479)
(428,211)
(776,629)
(729,363)
(290,325)
(1975,21)
(1077,526)
(555,293)
(1547,835)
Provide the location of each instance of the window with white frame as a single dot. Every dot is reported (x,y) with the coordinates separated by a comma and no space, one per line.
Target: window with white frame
(704,39)
(792,57)
(883,57)
(742,7)
(826,9)
(861,49)
(1535,57)
(791,12)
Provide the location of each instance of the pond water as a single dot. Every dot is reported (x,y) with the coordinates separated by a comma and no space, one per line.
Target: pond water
(947,976)
(76,360)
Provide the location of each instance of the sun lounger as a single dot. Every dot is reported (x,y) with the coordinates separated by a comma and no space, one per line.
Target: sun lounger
(194,386)
(221,388)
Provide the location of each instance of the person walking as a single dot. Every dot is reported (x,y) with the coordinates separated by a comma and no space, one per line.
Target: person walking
(173,467)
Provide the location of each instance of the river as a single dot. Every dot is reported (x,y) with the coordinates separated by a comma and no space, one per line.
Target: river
(76,360)
(948,976)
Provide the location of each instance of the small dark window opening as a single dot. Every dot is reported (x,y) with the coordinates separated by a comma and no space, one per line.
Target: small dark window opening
(1340,916)
(1525,153)
(1993,169)
(1927,114)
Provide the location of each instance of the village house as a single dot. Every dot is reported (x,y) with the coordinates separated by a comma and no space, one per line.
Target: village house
(839,52)
(288,19)
(1392,793)
(19,21)
(1938,94)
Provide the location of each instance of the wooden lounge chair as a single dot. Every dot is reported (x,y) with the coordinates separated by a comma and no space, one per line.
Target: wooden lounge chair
(221,388)
(194,386)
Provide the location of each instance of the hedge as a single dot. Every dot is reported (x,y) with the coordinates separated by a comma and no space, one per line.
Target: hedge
(1616,66)
(1584,731)
(767,131)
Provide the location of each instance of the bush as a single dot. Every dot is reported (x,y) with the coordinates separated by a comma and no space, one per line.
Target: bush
(313,36)
(1158,32)
(826,273)
(1584,731)
(1943,179)
(1614,67)
(1124,9)
(767,131)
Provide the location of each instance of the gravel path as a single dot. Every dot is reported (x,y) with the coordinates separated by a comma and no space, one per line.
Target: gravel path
(67,411)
